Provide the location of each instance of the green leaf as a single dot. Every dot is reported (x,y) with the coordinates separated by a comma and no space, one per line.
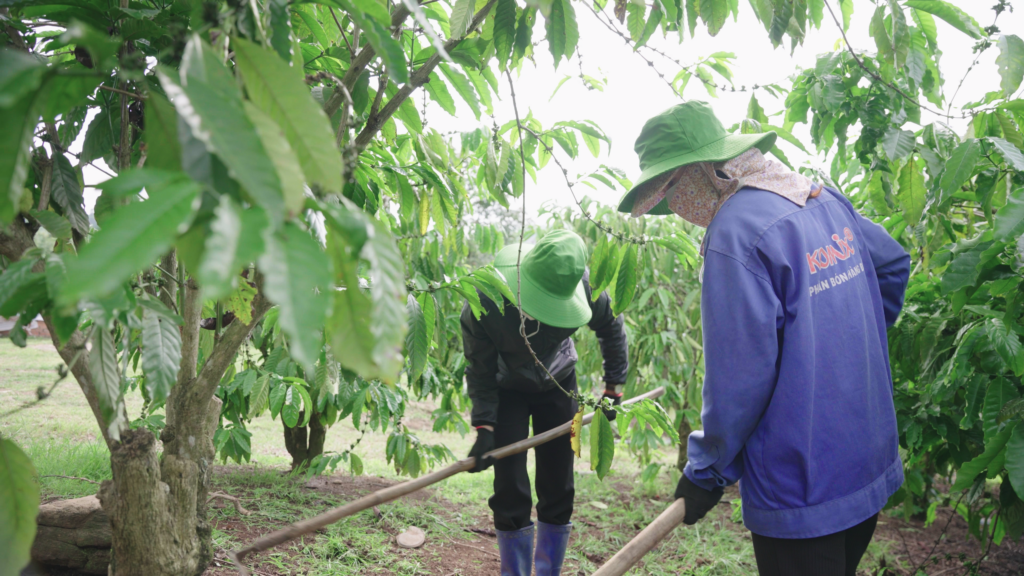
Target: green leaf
(416,342)
(911,195)
(562,31)
(290,409)
(495,278)
(963,270)
(713,13)
(161,354)
(366,330)
(1011,63)
(54,223)
(283,157)
(131,240)
(161,135)
(307,403)
(926,23)
(604,263)
(1000,390)
(1015,459)
(967,473)
(20,74)
(463,87)
(429,307)
(259,400)
(296,276)
(438,92)
(780,21)
(19,505)
(462,15)
(602,445)
(102,47)
(1010,218)
(378,34)
(66,192)
(635,21)
(524,35)
(216,273)
(625,279)
(953,16)
(210,102)
(239,302)
(16,125)
(504,29)
(959,168)
(103,133)
(1010,132)
(106,381)
(1011,154)
(66,92)
(898,144)
(275,89)
(356,464)
(17,275)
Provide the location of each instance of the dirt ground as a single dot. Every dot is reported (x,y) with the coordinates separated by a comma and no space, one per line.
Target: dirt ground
(477,556)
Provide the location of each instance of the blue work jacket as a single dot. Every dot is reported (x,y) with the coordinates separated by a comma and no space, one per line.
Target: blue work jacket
(798,398)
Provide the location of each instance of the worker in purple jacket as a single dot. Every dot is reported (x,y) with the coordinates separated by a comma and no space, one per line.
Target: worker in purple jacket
(798,290)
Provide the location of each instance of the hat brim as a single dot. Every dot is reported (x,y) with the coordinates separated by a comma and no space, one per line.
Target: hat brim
(571,312)
(726,148)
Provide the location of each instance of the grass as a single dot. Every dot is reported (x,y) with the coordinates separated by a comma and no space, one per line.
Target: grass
(61,437)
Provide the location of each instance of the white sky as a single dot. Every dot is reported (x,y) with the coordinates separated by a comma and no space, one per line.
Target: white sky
(634,92)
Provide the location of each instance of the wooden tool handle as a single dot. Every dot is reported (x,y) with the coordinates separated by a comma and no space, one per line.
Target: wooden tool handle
(390,493)
(655,532)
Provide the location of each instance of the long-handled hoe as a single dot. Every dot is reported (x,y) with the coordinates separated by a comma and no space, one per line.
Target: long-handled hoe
(398,490)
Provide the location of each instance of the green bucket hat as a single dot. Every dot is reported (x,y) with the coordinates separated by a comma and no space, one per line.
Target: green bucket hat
(685,134)
(552,278)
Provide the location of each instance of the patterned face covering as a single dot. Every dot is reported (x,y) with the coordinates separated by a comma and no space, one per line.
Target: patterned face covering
(697,191)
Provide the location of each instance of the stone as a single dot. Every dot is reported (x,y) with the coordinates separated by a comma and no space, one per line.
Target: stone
(413,537)
(73,534)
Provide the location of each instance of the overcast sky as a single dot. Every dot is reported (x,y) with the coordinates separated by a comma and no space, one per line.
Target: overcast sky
(634,92)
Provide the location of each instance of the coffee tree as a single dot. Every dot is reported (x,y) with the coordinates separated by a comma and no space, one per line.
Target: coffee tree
(285,232)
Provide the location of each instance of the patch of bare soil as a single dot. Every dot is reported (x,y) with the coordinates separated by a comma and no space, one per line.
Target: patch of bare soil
(938,549)
(953,550)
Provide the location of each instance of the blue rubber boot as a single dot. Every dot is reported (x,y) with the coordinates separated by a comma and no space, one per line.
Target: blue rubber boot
(552,540)
(516,550)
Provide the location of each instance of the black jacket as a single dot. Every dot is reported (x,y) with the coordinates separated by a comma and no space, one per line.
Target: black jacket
(498,357)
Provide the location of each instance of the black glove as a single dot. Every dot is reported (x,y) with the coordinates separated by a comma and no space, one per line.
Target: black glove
(616,398)
(698,500)
(484,444)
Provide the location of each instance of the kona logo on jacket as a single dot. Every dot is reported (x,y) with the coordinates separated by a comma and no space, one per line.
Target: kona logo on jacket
(828,255)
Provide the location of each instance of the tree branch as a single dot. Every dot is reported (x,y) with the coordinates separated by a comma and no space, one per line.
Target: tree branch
(876,77)
(191,311)
(420,77)
(360,62)
(231,340)
(139,97)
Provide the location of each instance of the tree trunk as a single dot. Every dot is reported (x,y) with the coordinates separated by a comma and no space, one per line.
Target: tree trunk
(304,443)
(157,502)
(157,506)
(684,433)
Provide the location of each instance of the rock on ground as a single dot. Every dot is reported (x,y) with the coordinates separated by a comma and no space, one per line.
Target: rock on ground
(73,534)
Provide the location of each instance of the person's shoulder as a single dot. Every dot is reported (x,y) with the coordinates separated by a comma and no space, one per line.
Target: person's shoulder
(743,220)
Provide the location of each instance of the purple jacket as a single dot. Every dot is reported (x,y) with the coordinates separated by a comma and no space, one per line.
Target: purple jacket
(798,402)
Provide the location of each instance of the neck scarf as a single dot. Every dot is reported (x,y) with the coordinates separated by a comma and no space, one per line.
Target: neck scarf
(696,192)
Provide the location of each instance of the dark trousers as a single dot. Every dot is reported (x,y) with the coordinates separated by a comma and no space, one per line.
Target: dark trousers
(833,555)
(512,500)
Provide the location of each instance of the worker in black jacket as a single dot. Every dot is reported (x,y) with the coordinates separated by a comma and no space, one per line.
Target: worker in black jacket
(508,388)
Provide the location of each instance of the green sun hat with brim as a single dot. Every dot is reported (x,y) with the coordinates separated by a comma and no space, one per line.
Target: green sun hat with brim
(685,134)
(552,278)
